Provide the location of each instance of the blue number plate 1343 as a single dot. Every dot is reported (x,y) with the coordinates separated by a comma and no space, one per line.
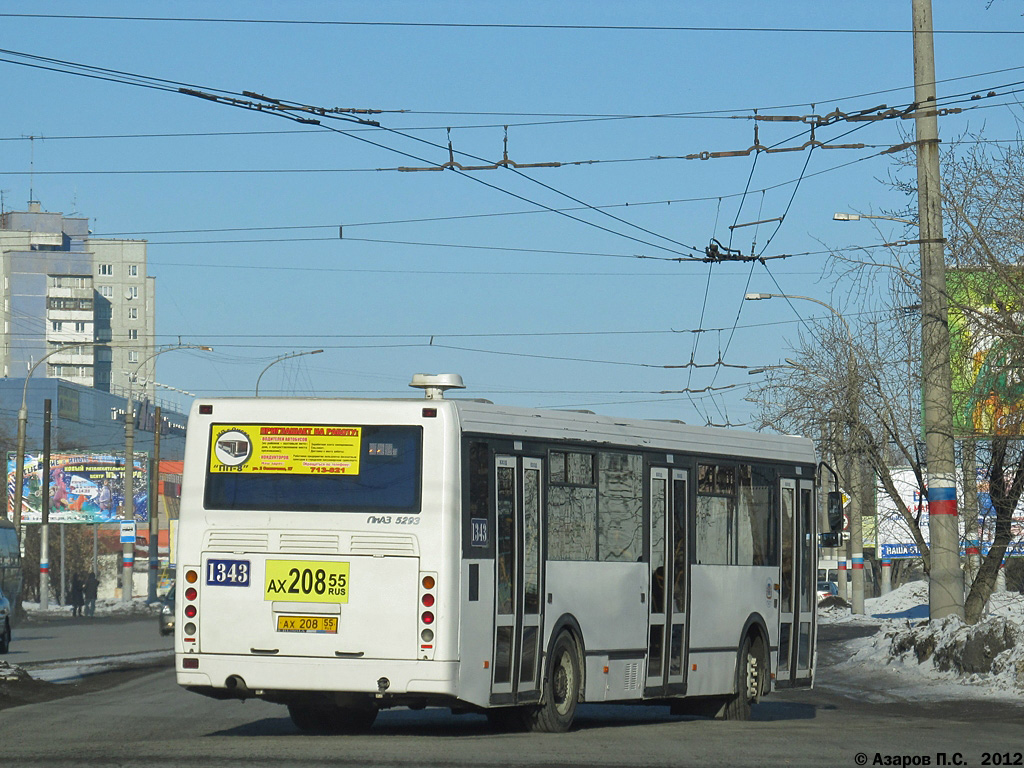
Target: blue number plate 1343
(227,573)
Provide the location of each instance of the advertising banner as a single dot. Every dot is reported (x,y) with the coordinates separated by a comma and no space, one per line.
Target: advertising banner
(296,449)
(988,387)
(84,487)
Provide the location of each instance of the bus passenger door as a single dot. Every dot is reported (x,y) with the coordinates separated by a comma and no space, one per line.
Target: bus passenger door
(517,604)
(666,651)
(797,590)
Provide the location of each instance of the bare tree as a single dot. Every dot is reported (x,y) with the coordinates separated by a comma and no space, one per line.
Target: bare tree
(870,408)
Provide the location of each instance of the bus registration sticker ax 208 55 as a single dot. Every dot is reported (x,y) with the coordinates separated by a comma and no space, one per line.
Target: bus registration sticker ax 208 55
(306,582)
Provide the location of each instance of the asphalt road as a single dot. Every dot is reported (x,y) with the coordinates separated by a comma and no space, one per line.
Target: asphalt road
(149,721)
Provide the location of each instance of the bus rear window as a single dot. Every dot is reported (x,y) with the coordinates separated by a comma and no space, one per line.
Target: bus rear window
(314,468)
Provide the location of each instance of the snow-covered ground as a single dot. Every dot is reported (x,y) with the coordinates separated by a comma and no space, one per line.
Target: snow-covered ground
(945,658)
(112,606)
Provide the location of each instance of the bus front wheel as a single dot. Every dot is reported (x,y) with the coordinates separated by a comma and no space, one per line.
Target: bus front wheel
(561,689)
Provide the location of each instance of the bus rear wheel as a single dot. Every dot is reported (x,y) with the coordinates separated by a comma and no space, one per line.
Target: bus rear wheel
(561,689)
(750,671)
(324,717)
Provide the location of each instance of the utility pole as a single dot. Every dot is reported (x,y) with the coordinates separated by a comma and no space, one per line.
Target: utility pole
(946,581)
(44,522)
(154,509)
(128,548)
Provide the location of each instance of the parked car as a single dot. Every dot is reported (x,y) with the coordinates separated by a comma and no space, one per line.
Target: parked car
(5,623)
(827,589)
(166,615)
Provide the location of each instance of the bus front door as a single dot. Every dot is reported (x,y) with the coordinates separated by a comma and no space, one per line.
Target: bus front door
(518,612)
(666,651)
(798,588)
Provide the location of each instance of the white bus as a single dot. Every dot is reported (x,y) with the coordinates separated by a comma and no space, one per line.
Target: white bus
(362,554)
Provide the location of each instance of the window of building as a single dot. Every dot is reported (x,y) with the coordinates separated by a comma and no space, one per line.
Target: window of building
(133,356)
(133,270)
(106,269)
(79,327)
(57,325)
(104,354)
(133,292)
(133,313)
(106,291)
(133,334)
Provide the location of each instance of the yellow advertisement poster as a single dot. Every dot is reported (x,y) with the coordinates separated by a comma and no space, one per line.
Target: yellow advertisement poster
(295,449)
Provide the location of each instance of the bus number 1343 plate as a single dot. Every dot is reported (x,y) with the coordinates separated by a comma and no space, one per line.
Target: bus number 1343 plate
(307,582)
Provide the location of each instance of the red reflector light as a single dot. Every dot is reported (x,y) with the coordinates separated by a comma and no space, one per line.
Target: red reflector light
(190,663)
(190,593)
(428,600)
(427,617)
(191,611)
(430,413)
(206,410)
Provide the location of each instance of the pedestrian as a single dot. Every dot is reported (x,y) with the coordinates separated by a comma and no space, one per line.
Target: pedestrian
(91,585)
(77,594)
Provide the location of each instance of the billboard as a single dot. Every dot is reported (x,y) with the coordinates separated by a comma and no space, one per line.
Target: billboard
(896,540)
(84,487)
(988,380)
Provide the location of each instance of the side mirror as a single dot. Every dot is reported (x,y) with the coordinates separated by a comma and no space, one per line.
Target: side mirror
(835,511)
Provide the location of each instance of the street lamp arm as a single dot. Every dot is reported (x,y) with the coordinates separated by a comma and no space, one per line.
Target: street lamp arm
(858,216)
(829,307)
(278,360)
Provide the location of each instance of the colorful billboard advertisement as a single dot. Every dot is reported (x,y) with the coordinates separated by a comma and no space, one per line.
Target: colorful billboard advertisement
(988,380)
(84,487)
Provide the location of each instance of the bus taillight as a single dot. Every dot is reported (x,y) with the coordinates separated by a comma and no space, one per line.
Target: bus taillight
(190,593)
(427,617)
(191,611)
(428,600)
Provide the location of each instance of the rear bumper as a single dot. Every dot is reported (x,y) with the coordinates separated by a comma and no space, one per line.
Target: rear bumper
(264,675)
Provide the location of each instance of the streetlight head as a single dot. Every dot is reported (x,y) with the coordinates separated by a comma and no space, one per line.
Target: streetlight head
(206,349)
(846,216)
(756,296)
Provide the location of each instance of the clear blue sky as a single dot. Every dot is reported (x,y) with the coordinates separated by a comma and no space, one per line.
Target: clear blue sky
(474,273)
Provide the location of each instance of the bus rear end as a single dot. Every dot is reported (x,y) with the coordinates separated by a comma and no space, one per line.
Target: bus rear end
(311,550)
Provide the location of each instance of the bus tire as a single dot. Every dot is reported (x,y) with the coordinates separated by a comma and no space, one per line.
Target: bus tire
(750,671)
(561,689)
(5,637)
(309,718)
(352,719)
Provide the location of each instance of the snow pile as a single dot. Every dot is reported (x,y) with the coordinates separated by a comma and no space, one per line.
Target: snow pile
(12,672)
(989,654)
(111,606)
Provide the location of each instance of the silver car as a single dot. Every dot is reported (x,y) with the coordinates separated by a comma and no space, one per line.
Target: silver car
(166,615)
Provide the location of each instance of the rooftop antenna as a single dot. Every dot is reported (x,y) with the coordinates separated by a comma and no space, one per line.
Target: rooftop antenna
(434,385)
(32,171)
